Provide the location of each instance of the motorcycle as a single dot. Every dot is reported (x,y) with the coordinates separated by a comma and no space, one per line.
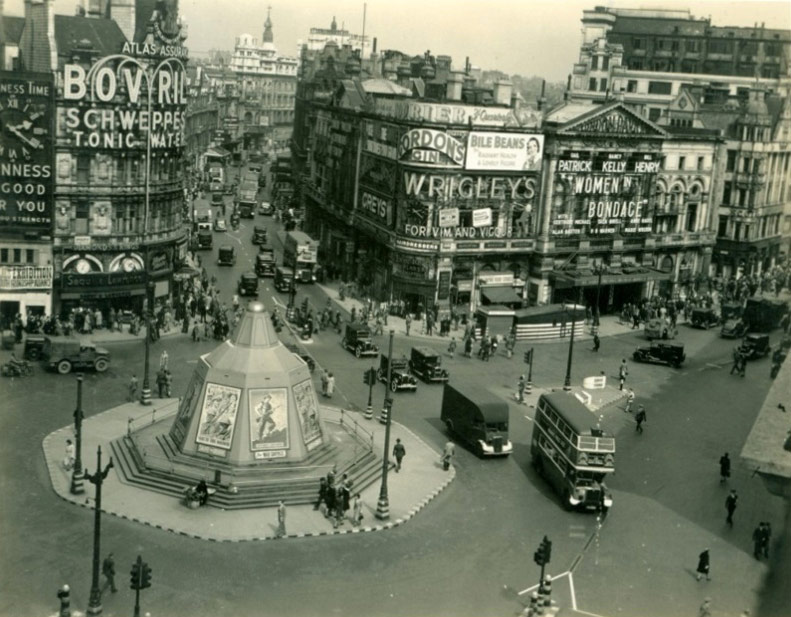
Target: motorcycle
(16,369)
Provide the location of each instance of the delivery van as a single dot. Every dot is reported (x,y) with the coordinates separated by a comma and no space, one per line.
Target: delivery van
(477,418)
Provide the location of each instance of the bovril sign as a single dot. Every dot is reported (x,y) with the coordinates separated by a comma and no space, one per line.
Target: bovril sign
(375,205)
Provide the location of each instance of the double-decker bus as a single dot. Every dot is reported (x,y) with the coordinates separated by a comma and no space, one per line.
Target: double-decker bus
(571,452)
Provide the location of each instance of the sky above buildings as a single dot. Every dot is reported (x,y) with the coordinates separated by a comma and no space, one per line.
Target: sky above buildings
(530,37)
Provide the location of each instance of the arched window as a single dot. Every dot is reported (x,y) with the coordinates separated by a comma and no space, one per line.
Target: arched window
(676,196)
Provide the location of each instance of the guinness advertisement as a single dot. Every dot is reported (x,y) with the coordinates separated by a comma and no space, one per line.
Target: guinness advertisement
(26,151)
(604,193)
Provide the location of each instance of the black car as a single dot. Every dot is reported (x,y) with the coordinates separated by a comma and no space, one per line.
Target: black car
(283,279)
(704,318)
(400,379)
(755,346)
(259,235)
(265,263)
(301,353)
(671,354)
(427,364)
(357,339)
(248,284)
(226,256)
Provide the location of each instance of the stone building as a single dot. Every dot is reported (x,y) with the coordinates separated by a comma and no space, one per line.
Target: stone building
(116,208)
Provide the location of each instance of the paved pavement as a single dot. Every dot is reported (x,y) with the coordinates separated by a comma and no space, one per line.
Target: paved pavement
(410,490)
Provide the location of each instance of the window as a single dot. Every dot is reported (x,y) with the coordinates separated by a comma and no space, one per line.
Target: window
(637,43)
(682,160)
(692,217)
(17,256)
(654,113)
(603,85)
(726,194)
(30,255)
(701,162)
(691,46)
(722,227)
(594,63)
(636,64)
(660,87)
(731,163)
(592,84)
(83,168)
(605,62)
(745,164)
(631,85)
(82,210)
(737,231)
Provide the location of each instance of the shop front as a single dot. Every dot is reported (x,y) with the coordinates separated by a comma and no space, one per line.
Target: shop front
(24,290)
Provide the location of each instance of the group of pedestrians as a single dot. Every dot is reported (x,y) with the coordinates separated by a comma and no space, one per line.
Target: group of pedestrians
(335,500)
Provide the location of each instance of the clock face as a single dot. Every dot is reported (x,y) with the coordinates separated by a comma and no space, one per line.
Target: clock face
(83,266)
(24,127)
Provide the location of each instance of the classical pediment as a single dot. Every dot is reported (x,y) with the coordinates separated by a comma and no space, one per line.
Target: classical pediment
(615,120)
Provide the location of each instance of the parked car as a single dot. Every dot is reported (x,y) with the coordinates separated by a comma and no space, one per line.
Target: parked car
(733,328)
(400,379)
(704,318)
(755,346)
(427,364)
(69,354)
(660,328)
(265,208)
(357,339)
(265,263)
(259,235)
(248,284)
(226,255)
(301,353)
(219,224)
(671,354)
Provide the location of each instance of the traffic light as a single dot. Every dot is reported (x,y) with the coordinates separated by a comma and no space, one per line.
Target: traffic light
(134,580)
(146,575)
(529,356)
(547,543)
(540,556)
(367,377)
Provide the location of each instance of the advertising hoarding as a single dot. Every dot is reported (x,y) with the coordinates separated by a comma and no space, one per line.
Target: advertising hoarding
(268,419)
(218,416)
(488,151)
(603,193)
(26,151)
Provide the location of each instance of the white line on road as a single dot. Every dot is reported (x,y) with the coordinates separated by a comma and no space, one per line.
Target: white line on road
(554,578)
(528,418)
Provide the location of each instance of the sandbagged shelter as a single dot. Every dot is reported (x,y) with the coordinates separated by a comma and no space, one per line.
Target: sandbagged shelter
(250,401)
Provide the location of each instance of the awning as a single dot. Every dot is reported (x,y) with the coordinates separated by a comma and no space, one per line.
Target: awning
(217,151)
(567,280)
(500,295)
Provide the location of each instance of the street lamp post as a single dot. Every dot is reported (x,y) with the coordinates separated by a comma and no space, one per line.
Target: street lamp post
(145,392)
(77,476)
(567,382)
(383,505)
(97,479)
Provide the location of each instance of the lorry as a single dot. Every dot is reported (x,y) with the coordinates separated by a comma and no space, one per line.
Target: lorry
(477,418)
(763,314)
(300,247)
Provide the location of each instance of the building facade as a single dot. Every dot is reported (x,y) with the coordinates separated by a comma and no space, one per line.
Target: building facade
(429,190)
(685,73)
(266,86)
(112,221)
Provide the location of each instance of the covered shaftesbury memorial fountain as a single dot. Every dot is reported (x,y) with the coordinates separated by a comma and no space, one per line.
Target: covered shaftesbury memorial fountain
(251,426)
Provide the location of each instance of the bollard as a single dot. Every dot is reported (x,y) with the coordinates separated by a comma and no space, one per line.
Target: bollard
(548,590)
(369,413)
(64,595)
(383,415)
(535,606)
(529,387)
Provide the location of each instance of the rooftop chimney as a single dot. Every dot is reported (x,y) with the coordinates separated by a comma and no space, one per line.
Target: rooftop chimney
(502,92)
(542,99)
(123,13)
(454,84)
(37,46)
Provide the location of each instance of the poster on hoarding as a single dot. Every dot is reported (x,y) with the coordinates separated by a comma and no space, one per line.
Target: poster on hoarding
(603,193)
(218,416)
(504,151)
(482,217)
(308,410)
(449,217)
(268,419)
